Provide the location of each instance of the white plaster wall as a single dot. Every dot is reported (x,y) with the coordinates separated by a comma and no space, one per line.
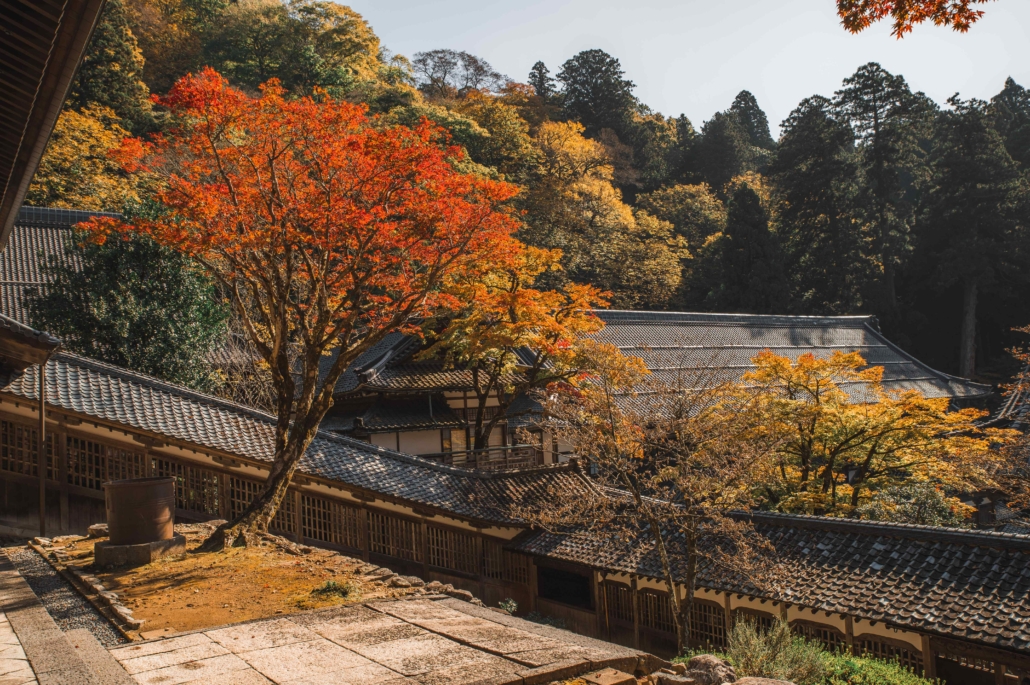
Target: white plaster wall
(420,442)
(387,440)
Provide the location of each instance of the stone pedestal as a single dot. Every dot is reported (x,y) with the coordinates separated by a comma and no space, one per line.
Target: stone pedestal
(106,554)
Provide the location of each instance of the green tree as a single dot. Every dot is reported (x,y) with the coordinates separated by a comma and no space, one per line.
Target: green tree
(889,121)
(753,119)
(816,177)
(111,73)
(447,73)
(975,228)
(595,93)
(724,150)
(133,304)
(507,147)
(749,259)
(693,210)
(541,80)
(1011,109)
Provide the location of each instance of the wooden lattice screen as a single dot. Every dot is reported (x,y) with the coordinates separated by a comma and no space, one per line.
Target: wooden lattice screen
(763,621)
(241,492)
(707,625)
(620,602)
(91,464)
(196,489)
(452,550)
(329,521)
(394,537)
(876,648)
(656,611)
(18,450)
(831,639)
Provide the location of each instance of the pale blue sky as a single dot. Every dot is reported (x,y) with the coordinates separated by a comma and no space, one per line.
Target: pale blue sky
(693,56)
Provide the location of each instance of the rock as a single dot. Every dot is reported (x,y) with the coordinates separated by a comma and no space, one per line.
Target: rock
(304,549)
(110,597)
(398,581)
(65,538)
(382,573)
(609,676)
(415,581)
(434,586)
(477,601)
(98,530)
(42,542)
(707,669)
(762,681)
(499,610)
(674,679)
(463,595)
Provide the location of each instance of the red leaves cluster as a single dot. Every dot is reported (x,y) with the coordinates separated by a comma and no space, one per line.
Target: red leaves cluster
(312,206)
(857,15)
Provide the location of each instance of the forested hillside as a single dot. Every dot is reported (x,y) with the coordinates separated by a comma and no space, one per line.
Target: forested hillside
(874,200)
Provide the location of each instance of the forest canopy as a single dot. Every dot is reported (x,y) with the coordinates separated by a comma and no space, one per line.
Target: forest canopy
(872,200)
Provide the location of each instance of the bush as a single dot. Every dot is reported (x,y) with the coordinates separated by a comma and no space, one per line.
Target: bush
(776,653)
(852,670)
(553,621)
(781,655)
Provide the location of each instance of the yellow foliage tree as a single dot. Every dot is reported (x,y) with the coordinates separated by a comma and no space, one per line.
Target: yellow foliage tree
(844,436)
(573,205)
(76,170)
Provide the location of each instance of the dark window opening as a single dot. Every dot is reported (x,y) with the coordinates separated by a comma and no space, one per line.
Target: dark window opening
(565,587)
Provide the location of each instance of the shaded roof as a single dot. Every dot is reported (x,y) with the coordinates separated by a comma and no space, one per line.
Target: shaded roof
(968,585)
(39,234)
(41,45)
(21,345)
(721,346)
(146,404)
(378,414)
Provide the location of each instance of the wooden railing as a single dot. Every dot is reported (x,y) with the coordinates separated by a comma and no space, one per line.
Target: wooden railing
(492,458)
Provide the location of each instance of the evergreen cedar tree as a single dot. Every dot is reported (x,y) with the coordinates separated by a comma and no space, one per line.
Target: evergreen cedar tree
(857,15)
(327,230)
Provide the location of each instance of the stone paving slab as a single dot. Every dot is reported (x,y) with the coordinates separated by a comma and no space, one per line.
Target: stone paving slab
(407,642)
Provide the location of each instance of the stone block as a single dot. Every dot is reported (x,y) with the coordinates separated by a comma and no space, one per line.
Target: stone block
(98,530)
(609,676)
(107,554)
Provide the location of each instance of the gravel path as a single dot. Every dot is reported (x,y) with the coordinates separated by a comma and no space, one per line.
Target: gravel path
(68,608)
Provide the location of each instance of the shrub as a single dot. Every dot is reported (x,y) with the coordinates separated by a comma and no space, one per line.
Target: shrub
(553,621)
(852,670)
(509,605)
(331,588)
(776,653)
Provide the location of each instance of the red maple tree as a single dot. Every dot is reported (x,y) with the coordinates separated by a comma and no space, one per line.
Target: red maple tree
(857,15)
(327,228)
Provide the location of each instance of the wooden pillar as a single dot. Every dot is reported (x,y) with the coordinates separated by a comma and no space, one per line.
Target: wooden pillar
(728,610)
(424,533)
(849,633)
(999,673)
(61,471)
(929,661)
(601,603)
(534,588)
(363,533)
(636,612)
(298,534)
(784,612)
(41,460)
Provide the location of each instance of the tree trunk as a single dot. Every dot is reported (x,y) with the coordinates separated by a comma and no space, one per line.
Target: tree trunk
(967,340)
(256,518)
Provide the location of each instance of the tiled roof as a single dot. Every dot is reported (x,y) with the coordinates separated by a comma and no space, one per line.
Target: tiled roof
(28,334)
(721,346)
(39,233)
(968,585)
(139,402)
(393,413)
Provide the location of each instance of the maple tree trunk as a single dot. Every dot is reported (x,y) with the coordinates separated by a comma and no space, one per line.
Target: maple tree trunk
(256,518)
(967,339)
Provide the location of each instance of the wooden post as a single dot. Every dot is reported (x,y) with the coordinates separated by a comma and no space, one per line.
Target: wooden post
(636,612)
(929,661)
(41,450)
(849,633)
(728,608)
(602,590)
(363,534)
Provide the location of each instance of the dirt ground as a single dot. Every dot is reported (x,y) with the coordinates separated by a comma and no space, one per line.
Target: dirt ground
(201,590)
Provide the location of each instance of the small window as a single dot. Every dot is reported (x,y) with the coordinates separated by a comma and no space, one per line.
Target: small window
(565,587)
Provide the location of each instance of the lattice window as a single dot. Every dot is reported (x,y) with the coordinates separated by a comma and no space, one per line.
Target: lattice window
(908,657)
(394,537)
(977,664)
(242,492)
(620,602)
(91,464)
(329,521)
(453,550)
(516,568)
(196,489)
(18,450)
(493,560)
(656,611)
(708,624)
(762,620)
(830,638)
